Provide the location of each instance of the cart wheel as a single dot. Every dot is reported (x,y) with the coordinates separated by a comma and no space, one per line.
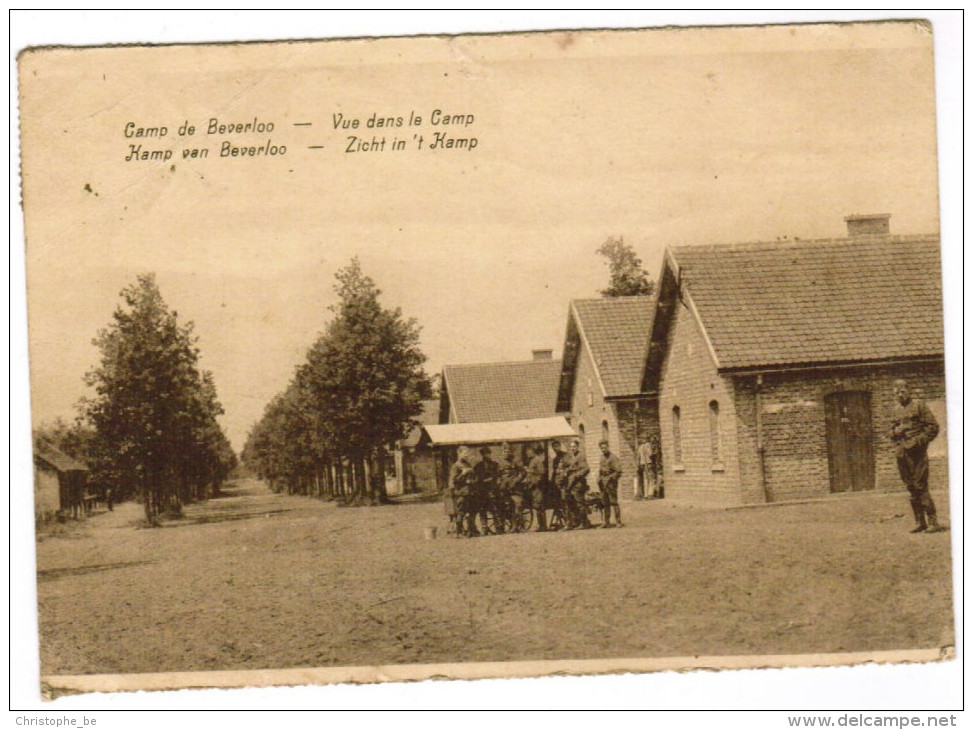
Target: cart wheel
(493,525)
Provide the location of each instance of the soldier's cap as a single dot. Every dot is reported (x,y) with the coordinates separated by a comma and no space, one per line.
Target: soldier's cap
(484,449)
(603,443)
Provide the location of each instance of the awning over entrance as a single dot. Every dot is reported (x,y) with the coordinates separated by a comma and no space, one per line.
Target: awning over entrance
(534,429)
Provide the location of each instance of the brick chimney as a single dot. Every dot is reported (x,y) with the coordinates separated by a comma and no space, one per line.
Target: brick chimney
(543,355)
(872,224)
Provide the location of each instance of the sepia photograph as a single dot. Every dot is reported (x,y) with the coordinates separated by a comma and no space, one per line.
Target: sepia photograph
(602,355)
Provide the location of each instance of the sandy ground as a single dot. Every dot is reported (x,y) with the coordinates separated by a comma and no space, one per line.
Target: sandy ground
(257,580)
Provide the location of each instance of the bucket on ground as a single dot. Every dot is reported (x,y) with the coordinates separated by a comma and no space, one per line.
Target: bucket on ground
(429,533)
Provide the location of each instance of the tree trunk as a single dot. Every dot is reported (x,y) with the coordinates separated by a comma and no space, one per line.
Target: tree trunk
(383,495)
(329,478)
(369,479)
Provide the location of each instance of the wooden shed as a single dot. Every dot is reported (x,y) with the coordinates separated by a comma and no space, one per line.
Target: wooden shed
(59,483)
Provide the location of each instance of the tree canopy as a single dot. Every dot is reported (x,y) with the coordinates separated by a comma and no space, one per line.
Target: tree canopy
(153,412)
(359,390)
(626,276)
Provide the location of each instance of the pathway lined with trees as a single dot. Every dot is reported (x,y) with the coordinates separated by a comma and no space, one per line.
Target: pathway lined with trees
(359,391)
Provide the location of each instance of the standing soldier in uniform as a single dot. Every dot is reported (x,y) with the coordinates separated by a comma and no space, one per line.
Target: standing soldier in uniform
(609,472)
(485,476)
(913,427)
(559,481)
(577,473)
(537,486)
(460,479)
(648,464)
(511,483)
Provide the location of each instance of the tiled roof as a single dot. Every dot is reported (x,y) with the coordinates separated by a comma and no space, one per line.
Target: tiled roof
(617,332)
(429,416)
(832,300)
(503,391)
(57,459)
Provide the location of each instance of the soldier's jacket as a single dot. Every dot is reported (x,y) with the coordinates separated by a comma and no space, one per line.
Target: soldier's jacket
(913,425)
(512,474)
(485,476)
(609,470)
(577,469)
(460,477)
(536,471)
(559,470)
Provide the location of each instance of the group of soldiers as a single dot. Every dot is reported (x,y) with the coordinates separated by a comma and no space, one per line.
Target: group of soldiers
(493,497)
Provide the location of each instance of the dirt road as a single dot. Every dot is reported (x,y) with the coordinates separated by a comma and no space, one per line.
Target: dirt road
(257,580)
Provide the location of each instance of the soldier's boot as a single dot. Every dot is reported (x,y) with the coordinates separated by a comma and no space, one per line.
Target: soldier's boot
(929,508)
(541,520)
(919,514)
(618,515)
(585,522)
(606,517)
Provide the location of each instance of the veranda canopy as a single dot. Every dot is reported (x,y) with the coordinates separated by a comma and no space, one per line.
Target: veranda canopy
(533,429)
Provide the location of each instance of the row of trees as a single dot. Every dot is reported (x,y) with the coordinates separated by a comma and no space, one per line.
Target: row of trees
(150,427)
(359,391)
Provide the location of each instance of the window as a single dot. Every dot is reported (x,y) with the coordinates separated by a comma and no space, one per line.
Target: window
(581,433)
(715,435)
(604,430)
(676,439)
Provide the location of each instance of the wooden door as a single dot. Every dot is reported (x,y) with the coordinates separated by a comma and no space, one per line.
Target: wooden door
(851,457)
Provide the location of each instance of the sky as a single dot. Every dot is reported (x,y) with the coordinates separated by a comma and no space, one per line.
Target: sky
(660,137)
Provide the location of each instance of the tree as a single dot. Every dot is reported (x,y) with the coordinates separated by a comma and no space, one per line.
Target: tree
(365,380)
(153,412)
(74,439)
(627,277)
(360,390)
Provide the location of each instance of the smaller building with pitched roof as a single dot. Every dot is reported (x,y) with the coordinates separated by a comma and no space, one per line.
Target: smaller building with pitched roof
(774,363)
(415,463)
(59,482)
(500,391)
(600,386)
(497,393)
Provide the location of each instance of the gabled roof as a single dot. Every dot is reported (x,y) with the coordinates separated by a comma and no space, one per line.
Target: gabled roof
(615,332)
(793,303)
(429,415)
(499,391)
(57,459)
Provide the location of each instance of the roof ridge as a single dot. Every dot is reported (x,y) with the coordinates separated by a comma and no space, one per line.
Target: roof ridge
(622,298)
(797,242)
(501,362)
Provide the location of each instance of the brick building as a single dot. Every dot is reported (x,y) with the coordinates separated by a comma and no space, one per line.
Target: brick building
(601,376)
(774,363)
